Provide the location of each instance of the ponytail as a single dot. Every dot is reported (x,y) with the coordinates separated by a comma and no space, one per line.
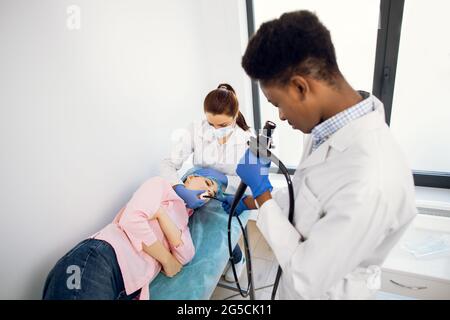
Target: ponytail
(240,121)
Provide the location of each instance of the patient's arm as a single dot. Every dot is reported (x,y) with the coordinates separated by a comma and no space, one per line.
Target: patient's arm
(171,266)
(180,241)
(170,230)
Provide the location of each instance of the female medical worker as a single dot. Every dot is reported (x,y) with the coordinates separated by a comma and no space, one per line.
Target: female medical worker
(354,193)
(217,142)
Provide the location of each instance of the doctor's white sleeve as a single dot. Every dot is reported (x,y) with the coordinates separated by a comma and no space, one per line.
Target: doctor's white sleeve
(353,225)
(281,197)
(182,146)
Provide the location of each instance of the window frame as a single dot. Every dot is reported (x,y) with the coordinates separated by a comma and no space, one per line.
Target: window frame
(386,57)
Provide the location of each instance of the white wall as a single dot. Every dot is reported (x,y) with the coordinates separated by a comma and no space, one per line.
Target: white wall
(86,115)
(224,35)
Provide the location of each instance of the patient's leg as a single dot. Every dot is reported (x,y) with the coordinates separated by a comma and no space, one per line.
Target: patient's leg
(88,271)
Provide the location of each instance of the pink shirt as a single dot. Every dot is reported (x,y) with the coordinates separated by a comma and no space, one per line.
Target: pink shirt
(132,227)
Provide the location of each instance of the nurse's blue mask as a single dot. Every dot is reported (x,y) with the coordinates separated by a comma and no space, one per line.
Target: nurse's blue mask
(220,133)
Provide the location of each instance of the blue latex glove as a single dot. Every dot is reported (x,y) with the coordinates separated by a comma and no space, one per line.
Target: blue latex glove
(191,197)
(254,172)
(228,201)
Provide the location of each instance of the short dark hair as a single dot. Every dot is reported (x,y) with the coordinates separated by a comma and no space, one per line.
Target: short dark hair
(296,43)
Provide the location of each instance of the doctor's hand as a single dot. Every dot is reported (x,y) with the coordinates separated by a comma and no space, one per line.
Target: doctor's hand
(254,172)
(228,201)
(191,197)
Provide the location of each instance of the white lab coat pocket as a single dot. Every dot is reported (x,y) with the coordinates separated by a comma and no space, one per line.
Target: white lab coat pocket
(361,284)
(307,210)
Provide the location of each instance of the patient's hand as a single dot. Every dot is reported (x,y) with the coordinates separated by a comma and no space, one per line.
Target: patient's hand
(171,266)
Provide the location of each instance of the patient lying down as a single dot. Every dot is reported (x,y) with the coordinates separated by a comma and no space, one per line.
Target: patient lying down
(149,234)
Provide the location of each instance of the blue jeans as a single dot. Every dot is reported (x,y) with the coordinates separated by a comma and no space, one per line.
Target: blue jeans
(89,271)
(236,255)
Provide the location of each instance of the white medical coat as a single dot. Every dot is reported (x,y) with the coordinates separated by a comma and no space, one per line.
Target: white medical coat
(354,197)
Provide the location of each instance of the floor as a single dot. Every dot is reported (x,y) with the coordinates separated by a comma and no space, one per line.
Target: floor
(264,268)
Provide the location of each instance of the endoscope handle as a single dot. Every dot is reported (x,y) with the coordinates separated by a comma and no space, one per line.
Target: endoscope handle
(265,137)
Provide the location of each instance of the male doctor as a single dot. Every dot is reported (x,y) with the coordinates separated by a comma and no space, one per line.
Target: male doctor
(354,192)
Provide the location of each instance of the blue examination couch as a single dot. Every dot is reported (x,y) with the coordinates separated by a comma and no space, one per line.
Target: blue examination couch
(198,279)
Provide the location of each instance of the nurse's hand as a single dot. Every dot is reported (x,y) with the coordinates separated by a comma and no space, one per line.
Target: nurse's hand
(191,197)
(228,201)
(254,172)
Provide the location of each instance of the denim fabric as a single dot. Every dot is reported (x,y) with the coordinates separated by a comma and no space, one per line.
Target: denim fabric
(89,271)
